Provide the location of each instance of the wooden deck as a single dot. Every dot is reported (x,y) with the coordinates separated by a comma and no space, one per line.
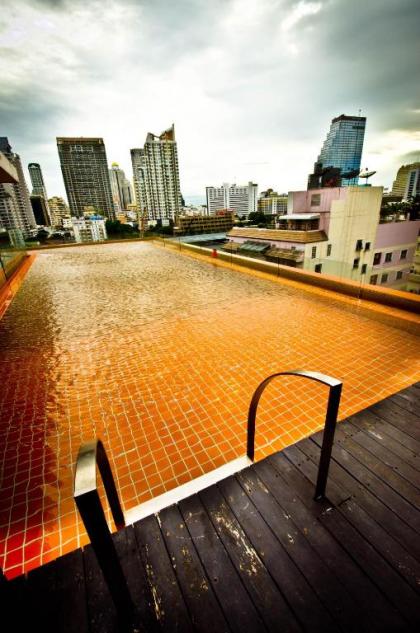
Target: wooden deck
(256,553)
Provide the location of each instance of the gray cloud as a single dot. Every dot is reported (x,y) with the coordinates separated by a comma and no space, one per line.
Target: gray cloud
(251,85)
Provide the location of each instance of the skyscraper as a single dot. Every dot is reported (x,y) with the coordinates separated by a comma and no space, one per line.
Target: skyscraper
(85,173)
(15,205)
(38,186)
(342,149)
(156,176)
(121,188)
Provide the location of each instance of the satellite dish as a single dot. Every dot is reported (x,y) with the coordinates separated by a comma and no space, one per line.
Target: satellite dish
(366,174)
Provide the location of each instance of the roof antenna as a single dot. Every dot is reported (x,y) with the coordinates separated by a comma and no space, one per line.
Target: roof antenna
(360,111)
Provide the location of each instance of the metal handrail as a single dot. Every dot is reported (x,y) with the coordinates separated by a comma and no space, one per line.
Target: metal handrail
(334,395)
(88,502)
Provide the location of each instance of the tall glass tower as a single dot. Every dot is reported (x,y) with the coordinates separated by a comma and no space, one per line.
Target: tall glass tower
(343,146)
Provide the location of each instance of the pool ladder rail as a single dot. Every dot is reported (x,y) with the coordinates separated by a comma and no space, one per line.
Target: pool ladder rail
(92,457)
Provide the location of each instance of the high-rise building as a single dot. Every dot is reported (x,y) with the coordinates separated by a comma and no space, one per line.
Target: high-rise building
(85,173)
(38,187)
(241,199)
(399,187)
(58,210)
(413,184)
(15,206)
(121,189)
(342,150)
(156,176)
(40,210)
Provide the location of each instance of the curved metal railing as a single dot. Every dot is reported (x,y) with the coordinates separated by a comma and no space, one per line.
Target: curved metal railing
(88,503)
(335,387)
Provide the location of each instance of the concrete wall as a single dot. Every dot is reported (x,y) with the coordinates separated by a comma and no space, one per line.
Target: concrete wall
(394,237)
(391,233)
(300,202)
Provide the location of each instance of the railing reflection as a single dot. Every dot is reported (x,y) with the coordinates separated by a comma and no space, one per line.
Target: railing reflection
(10,260)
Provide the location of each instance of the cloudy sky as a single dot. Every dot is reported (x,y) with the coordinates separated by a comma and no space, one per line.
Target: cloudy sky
(251,85)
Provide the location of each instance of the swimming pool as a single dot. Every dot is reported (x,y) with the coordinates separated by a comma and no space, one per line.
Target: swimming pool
(158,355)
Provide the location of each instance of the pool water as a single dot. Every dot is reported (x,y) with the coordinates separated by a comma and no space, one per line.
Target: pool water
(158,354)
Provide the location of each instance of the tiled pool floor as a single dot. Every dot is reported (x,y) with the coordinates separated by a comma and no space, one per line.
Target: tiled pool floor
(158,355)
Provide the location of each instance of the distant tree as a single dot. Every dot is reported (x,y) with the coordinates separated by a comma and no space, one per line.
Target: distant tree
(115,227)
(42,235)
(257,217)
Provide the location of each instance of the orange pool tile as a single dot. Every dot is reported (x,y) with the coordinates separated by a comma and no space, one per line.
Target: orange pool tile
(158,355)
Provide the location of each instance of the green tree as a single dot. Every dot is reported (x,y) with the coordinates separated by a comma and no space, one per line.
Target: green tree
(258,217)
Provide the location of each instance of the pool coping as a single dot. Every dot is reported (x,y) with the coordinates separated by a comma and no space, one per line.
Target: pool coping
(370,299)
(10,288)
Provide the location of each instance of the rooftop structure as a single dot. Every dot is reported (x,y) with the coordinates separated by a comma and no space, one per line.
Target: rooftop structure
(193,224)
(8,173)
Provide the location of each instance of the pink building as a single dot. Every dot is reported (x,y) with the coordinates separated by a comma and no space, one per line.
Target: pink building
(339,231)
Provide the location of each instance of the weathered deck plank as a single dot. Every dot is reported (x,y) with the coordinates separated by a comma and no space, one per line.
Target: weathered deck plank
(255,552)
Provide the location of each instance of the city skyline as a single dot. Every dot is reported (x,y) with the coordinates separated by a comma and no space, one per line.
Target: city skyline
(251,86)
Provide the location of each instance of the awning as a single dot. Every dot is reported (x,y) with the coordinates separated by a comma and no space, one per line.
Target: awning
(254,247)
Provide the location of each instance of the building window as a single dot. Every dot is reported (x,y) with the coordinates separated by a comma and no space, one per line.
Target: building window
(318,268)
(399,274)
(364,268)
(356,263)
(329,249)
(359,245)
(373,280)
(367,246)
(388,257)
(313,252)
(403,254)
(315,199)
(384,278)
(377,259)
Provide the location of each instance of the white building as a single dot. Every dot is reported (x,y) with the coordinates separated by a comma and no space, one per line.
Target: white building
(241,199)
(156,176)
(89,229)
